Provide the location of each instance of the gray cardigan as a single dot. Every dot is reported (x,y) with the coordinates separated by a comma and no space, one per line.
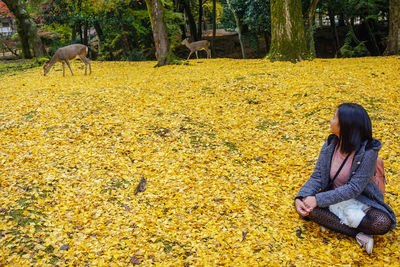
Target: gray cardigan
(358,186)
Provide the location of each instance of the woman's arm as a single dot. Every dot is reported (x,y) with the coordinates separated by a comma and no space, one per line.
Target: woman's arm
(314,183)
(355,186)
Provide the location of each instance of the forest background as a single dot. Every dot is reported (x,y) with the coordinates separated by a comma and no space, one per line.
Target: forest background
(122,29)
(224,144)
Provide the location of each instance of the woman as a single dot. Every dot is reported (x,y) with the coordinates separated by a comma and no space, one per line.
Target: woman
(353,204)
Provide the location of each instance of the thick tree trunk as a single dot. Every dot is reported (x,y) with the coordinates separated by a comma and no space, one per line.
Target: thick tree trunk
(287,31)
(309,24)
(238,28)
(26,29)
(200,21)
(393,44)
(24,40)
(192,23)
(160,33)
(214,29)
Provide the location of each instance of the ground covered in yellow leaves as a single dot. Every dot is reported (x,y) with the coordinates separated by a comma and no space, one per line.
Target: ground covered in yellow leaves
(224,145)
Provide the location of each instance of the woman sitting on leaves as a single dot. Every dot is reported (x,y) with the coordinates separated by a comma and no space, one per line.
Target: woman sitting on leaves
(340,194)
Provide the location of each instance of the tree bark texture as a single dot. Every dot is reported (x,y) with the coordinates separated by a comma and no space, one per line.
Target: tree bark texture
(26,29)
(393,44)
(309,24)
(238,28)
(86,33)
(99,32)
(287,31)
(200,21)
(332,21)
(160,33)
(214,28)
(192,23)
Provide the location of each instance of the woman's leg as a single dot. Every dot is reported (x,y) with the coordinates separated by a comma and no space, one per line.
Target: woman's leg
(326,218)
(375,222)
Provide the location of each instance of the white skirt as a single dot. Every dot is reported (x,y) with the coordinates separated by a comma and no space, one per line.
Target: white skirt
(350,212)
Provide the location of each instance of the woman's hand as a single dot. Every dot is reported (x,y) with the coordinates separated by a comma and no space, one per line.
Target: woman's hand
(301,208)
(310,202)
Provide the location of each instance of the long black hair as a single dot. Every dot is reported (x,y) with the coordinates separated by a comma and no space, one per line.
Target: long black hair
(355,126)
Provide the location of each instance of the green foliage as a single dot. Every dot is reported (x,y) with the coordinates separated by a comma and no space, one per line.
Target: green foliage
(349,50)
(254,17)
(7,67)
(173,19)
(127,33)
(41,60)
(136,55)
(208,9)
(62,32)
(358,51)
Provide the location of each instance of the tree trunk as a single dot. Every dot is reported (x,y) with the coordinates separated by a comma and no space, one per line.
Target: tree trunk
(192,23)
(38,47)
(320,17)
(341,19)
(26,29)
(200,21)
(80,31)
(99,32)
(287,31)
(128,43)
(178,7)
(160,34)
(331,15)
(267,41)
(238,28)
(73,34)
(309,25)
(214,27)
(352,33)
(85,33)
(373,39)
(393,44)
(183,30)
(80,21)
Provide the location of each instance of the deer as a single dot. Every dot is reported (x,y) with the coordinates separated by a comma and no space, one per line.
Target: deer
(67,53)
(196,46)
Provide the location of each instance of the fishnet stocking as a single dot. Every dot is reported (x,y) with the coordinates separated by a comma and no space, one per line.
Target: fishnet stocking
(326,218)
(375,222)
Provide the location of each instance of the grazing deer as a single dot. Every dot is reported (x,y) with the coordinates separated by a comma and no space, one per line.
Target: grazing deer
(67,53)
(196,46)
